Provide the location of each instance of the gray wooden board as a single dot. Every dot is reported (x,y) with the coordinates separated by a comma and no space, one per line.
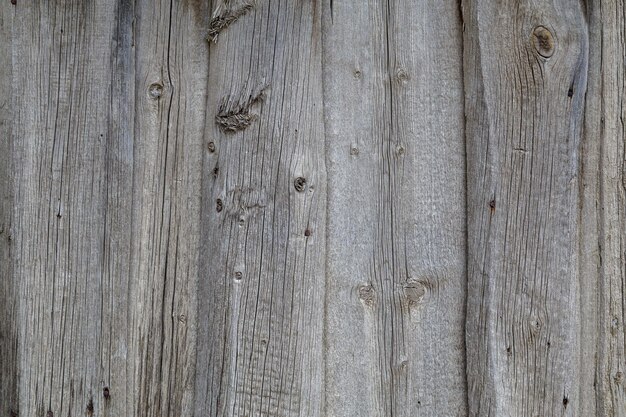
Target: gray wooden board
(393,102)
(261,285)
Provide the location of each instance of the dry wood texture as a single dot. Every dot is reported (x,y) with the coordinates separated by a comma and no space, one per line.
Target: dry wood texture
(312,208)
(396,238)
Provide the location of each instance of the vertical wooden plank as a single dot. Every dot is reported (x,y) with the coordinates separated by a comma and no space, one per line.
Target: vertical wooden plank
(610,25)
(262,275)
(590,209)
(8,284)
(72,162)
(393,100)
(525,79)
(170,99)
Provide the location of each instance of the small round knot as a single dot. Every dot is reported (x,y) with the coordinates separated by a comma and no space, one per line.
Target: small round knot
(543,41)
(155,90)
(299,184)
(402,76)
(366,294)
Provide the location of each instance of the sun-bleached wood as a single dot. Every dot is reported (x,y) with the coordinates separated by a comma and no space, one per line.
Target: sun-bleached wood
(393,101)
(312,208)
(525,69)
(262,277)
(106,207)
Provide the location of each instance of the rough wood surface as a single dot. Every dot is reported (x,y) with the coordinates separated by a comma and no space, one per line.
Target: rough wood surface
(170,105)
(106,205)
(610,133)
(261,285)
(525,81)
(396,238)
(8,287)
(312,208)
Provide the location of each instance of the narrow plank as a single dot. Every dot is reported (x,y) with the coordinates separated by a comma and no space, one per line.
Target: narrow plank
(589,189)
(393,104)
(525,80)
(610,52)
(262,273)
(170,96)
(72,165)
(8,285)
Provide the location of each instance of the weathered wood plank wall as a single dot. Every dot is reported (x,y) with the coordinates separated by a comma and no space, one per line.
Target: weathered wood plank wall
(331,208)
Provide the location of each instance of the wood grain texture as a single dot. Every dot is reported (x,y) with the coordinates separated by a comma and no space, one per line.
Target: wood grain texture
(8,287)
(170,95)
(106,205)
(73,160)
(262,277)
(393,100)
(525,79)
(609,132)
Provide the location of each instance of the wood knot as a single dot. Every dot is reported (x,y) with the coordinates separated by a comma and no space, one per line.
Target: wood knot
(155,90)
(414,293)
(619,377)
(90,407)
(49,413)
(219,205)
(299,184)
(543,41)
(366,294)
(211,147)
(402,77)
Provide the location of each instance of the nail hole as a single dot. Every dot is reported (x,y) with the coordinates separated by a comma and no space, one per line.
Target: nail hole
(565,402)
(219,206)
(238,276)
(307,232)
(106,393)
(211,147)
